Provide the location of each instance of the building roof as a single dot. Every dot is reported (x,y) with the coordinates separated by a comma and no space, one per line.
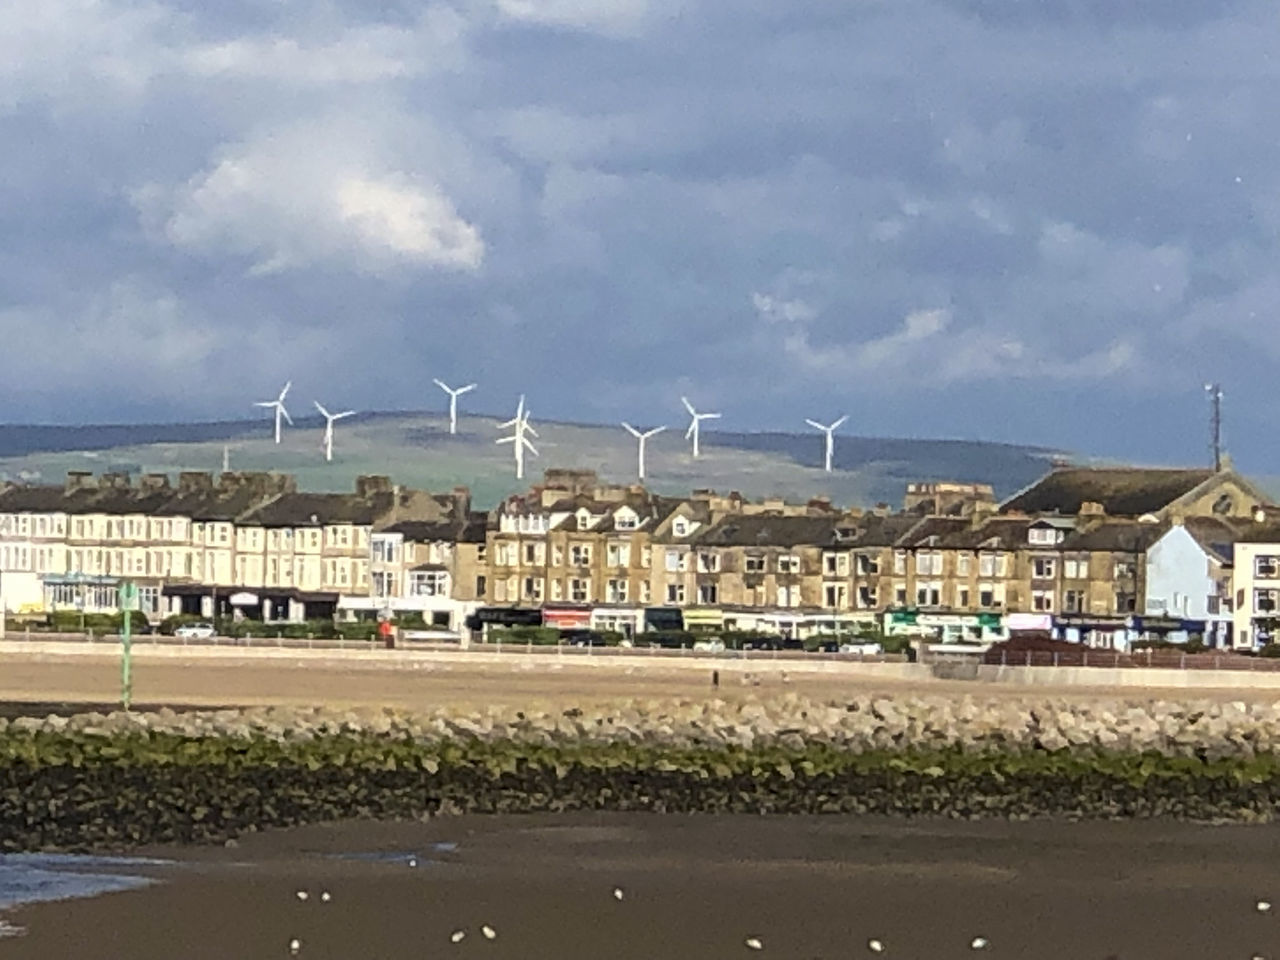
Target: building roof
(1118,536)
(1008,533)
(1122,491)
(316,509)
(425,531)
(1217,535)
(872,529)
(765,530)
(944,528)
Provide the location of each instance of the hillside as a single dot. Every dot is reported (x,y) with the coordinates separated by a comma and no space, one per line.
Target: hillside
(416,449)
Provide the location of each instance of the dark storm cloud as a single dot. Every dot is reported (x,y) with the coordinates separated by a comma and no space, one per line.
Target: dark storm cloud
(1044,222)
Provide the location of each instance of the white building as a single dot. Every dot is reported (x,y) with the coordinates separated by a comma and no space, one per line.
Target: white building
(1188,579)
(1255,585)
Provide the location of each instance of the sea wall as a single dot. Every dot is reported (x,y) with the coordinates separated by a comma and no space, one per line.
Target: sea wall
(110,781)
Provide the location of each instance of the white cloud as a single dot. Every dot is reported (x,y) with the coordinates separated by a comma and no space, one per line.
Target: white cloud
(608,17)
(780,310)
(317,193)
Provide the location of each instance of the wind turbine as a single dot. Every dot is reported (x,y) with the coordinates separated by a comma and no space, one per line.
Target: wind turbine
(453,401)
(693,424)
(278,406)
(830,432)
(329,419)
(520,423)
(642,437)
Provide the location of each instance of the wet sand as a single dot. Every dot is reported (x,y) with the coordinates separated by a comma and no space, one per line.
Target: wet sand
(694,888)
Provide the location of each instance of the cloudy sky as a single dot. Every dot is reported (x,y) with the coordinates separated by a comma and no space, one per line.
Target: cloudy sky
(998,219)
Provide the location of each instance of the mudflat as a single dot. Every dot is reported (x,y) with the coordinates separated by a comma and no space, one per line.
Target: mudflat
(691,887)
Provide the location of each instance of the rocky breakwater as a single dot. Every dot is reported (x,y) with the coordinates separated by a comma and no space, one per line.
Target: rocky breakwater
(98,781)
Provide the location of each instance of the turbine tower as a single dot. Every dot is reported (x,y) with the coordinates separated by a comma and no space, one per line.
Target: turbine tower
(453,401)
(642,437)
(693,424)
(278,406)
(329,419)
(1214,391)
(830,432)
(518,440)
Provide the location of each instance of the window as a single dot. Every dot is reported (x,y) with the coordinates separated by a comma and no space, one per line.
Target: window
(675,593)
(1073,601)
(531,554)
(1126,602)
(680,527)
(584,520)
(962,564)
(557,590)
(753,563)
(580,555)
(646,557)
(866,597)
(788,563)
(708,562)
(835,564)
(429,583)
(900,594)
(708,593)
(1267,567)
(899,561)
(1266,601)
(1043,568)
(384,584)
(646,591)
(986,595)
(868,564)
(1124,570)
(384,550)
(532,588)
(1042,535)
(1042,600)
(788,596)
(500,590)
(929,563)
(618,554)
(504,554)
(624,520)
(1213,604)
(835,595)
(677,561)
(481,585)
(1076,568)
(616,591)
(929,594)
(580,589)
(962,597)
(482,553)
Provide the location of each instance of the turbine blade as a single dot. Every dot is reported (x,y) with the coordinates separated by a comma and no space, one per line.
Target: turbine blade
(529,429)
(530,447)
(840,421)
(630,429)
(509,423)
(506,440)
(709,416)
(467,388)
(344,413)
(285,391)
(265,403)
(655,430)
(689,406)
(815,424)
(692,427)
(285,413)
(323,411)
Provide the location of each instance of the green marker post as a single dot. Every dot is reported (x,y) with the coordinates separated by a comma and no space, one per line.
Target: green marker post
(128,600)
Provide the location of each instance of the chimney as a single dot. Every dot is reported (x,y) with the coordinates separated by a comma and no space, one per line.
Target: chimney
(195,481)
(79,480)
(1091,508)
(461,502)
(153,482)
(114,481)
(370,484)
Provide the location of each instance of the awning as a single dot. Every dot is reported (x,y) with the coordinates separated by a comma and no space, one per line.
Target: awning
(1029,621)
(566,618)
(1167,625)
(1085,621)
(704,617)
(508,616)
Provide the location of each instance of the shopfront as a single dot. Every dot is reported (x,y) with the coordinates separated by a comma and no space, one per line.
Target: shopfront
(947,627)
(703,619)
(1093,630)
(566,617)
(621,620)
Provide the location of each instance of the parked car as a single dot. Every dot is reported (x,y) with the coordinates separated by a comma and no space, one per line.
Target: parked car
(583,638)
(196,631)
(709,646)
(866,649)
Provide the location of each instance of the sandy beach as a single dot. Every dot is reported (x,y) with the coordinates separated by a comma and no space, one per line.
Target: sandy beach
(694,887)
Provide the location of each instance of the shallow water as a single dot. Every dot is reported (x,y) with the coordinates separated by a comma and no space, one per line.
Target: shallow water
(42,877)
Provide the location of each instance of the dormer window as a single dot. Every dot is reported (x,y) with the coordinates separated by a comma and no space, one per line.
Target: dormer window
(625,520)
(584,520)
(680,527)
(1042,536)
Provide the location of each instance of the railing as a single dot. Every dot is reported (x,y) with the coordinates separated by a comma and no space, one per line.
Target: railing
(550,650)
(1141,659)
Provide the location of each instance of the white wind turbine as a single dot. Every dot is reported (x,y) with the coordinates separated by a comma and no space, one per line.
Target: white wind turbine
(518,440)
(830,432)
(693,424)
(329,419)
(642,437)
(278,406)
(453,401)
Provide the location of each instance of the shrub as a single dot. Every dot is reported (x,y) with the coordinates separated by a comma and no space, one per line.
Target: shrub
(537,636)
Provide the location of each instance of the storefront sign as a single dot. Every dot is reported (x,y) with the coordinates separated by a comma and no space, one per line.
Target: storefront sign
(566,618)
